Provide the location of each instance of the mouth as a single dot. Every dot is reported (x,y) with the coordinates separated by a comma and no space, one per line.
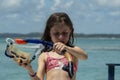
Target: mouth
(63,42)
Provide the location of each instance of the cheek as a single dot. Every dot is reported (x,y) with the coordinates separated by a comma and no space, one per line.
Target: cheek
(53,39)
(66,40)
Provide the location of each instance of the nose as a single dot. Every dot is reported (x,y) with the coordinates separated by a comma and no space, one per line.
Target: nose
(61,37)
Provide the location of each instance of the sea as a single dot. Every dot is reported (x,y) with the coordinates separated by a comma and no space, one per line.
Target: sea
(100,51)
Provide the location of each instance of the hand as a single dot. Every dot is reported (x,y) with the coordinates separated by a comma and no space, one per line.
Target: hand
(22,62)
(59,47)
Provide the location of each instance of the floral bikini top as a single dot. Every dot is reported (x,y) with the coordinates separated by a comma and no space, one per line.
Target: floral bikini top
(55,63)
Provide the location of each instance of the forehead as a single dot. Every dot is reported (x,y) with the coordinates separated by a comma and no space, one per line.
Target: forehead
(60,28)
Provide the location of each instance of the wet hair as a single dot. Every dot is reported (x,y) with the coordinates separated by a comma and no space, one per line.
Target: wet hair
(58,18)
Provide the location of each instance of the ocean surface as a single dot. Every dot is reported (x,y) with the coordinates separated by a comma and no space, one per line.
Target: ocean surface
(100,52)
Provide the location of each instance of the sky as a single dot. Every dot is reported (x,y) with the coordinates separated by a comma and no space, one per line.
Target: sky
(88,16)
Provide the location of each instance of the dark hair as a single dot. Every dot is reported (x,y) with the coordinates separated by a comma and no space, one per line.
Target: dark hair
(56,18)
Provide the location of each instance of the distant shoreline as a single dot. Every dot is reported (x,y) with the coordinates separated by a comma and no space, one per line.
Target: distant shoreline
(36,34)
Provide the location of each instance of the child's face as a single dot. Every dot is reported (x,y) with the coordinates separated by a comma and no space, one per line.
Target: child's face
(60,33)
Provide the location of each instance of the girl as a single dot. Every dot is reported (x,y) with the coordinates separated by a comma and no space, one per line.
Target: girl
(54,63)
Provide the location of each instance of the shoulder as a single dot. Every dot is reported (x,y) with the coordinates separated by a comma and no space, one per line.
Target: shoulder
(42,56)
(73,48)
(76,47)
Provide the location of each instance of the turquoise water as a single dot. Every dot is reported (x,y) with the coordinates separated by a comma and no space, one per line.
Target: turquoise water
(100,51)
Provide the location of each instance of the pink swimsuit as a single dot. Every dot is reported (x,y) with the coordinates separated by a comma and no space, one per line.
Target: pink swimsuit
(55,63)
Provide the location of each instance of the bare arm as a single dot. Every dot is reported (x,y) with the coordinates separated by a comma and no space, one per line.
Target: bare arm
(39,75)
(33,75)
(77,52)
(41,66)
(41,69)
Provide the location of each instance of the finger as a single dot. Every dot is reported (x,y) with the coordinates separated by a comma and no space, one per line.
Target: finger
(19,61)
(15,58)
(61,47)
(57,46)
(26,62)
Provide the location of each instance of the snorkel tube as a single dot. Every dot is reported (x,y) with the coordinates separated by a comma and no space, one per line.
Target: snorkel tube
(68,68)
(12,51)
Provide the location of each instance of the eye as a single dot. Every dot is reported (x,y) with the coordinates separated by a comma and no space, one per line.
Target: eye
(64,33)
(56,34)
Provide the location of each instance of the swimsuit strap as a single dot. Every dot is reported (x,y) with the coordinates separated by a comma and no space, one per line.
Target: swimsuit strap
(47,54)
(48,58)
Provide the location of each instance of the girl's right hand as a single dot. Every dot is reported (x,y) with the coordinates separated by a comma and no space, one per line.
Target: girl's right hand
(25,63)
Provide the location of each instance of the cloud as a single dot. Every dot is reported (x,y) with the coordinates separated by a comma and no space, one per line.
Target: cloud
(115,13)
(37,18)
(41,4)
(56,4)
(33,13)
(62,4)
(10,3)
(109,3)
(68,4)
(13,15)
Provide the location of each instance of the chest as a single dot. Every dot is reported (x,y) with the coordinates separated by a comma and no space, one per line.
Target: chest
(57,61)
